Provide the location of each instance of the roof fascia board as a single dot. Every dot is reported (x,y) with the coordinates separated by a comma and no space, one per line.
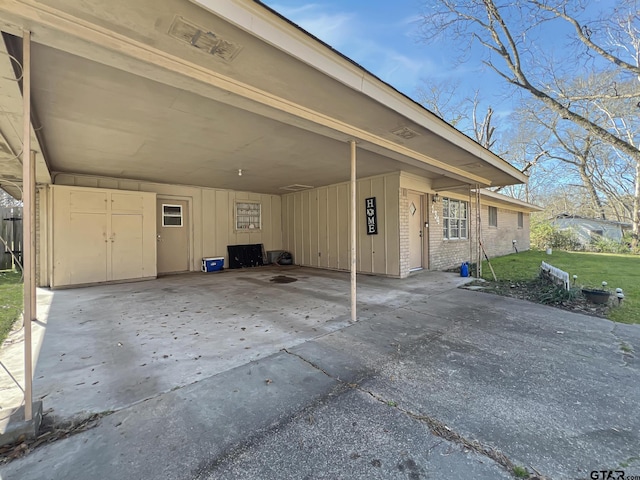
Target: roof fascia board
(499,199)
(258,20)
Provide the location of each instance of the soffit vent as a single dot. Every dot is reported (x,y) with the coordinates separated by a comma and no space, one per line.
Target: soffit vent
(204,40)
(405,133)
(296,187)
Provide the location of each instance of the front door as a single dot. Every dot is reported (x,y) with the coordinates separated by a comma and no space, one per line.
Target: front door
(173,235)
(415,231)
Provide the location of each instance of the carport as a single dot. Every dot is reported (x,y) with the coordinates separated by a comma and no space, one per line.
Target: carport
(199,107)
(109,347)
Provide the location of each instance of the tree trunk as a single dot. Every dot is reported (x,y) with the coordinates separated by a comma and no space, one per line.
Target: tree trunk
(635,214)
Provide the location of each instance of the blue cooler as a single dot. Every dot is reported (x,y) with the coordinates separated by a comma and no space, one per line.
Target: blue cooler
(212,264)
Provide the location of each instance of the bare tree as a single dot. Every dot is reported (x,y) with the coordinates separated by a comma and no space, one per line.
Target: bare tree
(7,200)
(512,34)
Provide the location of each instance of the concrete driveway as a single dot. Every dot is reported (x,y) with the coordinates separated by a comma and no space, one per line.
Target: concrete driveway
(432,382)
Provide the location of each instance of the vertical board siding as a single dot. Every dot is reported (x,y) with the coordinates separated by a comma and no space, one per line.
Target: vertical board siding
(344,244)
(314,226)
(320,226)
(323,228)
(378,242)
(213,228)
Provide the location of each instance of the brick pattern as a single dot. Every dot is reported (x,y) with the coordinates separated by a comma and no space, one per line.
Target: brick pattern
(37,233)
(445,253)
(404,233)
(497,241)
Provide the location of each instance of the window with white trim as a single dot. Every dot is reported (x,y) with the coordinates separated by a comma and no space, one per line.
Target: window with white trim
(248,215)
(454,219)
(493,216)
(171,215)
(520,220)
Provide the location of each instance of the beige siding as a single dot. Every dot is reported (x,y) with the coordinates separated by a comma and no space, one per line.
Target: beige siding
(101,235)
(316,226)
(212,211)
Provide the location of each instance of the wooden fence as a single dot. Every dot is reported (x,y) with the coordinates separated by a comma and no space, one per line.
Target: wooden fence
(10,237)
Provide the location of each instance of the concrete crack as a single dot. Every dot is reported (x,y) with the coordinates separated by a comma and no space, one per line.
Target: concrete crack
(436,427)
(626,350)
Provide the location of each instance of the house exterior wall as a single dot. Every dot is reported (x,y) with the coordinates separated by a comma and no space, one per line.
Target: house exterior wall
(497,241)
(445,253)
(211,210)
(316,226)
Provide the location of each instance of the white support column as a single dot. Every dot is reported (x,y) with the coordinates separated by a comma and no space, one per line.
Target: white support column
(354,238)
(34,299)
(27,224)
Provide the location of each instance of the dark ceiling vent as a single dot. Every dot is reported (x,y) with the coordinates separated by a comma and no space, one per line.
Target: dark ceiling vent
(203,39)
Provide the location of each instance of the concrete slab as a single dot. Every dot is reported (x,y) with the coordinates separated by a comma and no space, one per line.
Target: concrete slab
(12,362)
(551,390)
(111,346)
(351,436)
(176,434)
(18,429)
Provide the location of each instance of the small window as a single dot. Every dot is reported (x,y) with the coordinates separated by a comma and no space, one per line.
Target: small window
(454,216)
(493,216)
(520,220)
(248,216)
(171,215)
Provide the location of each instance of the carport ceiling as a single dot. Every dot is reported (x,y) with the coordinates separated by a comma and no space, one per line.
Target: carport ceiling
(100,120)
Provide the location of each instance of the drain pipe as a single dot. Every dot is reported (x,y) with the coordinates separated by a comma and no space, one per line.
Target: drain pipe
(353,231)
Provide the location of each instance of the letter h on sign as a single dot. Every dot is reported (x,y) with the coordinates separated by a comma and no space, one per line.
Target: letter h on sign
(372,217)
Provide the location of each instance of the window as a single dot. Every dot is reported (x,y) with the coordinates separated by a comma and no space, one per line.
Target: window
(171,215)
(454,216)
(493,216)
(248,216)
(520,220)
(596,235)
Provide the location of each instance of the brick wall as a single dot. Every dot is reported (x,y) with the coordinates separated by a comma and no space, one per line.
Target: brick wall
(404,233)
(445,253)
(497,241)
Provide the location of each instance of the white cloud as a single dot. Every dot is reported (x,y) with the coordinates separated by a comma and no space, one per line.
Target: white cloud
(332,28)
(374,45)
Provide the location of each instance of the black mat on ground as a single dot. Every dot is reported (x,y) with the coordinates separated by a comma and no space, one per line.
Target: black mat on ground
(242,256)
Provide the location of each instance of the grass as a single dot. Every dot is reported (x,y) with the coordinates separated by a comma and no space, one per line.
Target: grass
(10,301)
(618,270)
(520,472)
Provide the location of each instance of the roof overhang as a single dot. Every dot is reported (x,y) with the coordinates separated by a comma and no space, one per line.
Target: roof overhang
(118,95)
(489,197)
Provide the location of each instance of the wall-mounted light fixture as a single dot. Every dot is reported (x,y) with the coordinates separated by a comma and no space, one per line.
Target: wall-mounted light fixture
(436,198)
(239,172)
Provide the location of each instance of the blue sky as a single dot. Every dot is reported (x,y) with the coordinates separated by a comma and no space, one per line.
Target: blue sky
(384,38)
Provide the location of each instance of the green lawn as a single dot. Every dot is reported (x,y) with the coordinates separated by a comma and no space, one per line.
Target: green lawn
(619,271)
(10,301)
